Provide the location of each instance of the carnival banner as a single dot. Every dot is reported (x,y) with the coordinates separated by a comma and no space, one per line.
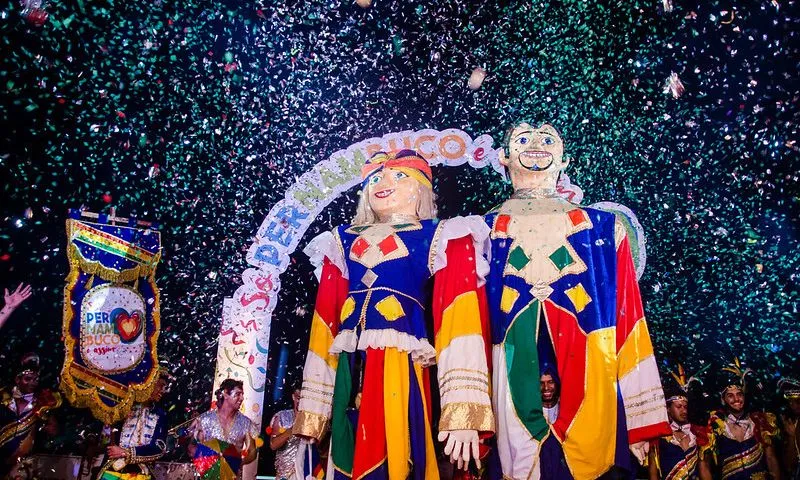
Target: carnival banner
(111,314)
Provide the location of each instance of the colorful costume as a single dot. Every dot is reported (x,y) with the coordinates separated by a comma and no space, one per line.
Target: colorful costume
(737,460)
(144,436)
(17,428)
(241,434)
(562,290)
(370,316)
(673,462)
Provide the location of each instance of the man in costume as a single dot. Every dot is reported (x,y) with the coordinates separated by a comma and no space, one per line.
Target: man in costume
(740,444)
(143,438)
(549,386)
(369,332)
(790,390)
(283,442)
(551,457)
(225,423)
(675,456)
(22,409)
(562,290)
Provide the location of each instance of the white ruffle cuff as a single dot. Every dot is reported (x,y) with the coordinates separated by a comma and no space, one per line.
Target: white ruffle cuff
(420,350)
(459,227)
(326,245)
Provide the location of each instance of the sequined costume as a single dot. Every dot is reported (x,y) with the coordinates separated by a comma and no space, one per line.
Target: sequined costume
(208,426)
(739,460)
(562,290)
(17,428)
(672,461)
(241,433)
(285,456)
(370,317)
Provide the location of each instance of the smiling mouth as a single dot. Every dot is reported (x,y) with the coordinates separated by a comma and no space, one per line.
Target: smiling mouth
(384,193)
(536,160)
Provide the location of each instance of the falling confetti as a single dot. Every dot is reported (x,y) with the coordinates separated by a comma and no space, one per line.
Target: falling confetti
(201,114)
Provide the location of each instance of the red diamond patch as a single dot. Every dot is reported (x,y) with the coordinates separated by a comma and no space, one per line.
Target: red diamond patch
(388,245)
(501,224)
(577,216)
(359,247)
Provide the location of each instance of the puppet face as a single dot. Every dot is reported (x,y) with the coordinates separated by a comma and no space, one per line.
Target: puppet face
(534,151)
(549,388)
(678,411)
(733,398)
(393,192)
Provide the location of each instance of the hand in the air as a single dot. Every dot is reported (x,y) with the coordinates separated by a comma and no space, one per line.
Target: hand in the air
(15,298)
(461,446)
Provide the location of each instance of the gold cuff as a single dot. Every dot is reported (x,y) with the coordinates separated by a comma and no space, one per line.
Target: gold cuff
(310,424)
(467,416)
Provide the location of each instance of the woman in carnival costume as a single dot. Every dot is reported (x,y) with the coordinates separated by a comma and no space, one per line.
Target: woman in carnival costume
(740,444)
(369,333)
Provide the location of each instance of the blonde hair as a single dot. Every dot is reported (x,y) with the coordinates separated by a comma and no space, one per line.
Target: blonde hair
(426,206)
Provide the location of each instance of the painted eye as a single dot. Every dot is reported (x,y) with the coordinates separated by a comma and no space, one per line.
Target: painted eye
(548,141)
(523,141)
(375,179)
(400,175)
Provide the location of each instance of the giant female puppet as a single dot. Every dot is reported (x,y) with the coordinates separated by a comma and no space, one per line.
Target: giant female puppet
(562,290)
(369,339)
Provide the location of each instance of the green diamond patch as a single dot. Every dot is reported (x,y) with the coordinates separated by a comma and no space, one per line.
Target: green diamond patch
(561,258)
(518,259)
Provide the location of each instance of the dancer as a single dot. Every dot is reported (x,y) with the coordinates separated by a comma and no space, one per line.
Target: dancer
(369,332)
(227,424)
(676,456)
(740,444)
(22,409)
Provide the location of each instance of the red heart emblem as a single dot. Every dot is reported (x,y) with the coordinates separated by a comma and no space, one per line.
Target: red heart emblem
(128,326)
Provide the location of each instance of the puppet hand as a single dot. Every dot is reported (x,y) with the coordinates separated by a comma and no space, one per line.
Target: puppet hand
(461,446)
(640,450)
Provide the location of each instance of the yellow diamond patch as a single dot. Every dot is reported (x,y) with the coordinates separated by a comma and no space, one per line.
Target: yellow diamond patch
(348,307)
(390,308)
(508,299)
(578,296)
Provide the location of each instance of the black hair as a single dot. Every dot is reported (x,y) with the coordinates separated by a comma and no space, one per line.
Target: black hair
(226,386)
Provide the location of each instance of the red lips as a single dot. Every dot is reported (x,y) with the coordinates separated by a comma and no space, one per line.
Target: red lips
(384,193)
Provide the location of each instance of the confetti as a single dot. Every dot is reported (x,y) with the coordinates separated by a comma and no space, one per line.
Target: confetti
(201,114)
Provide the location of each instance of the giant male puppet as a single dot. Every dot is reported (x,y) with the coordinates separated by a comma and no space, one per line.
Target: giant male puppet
(366,372)
(562,290)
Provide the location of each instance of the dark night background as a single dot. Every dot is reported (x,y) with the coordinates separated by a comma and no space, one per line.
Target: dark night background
(200,114)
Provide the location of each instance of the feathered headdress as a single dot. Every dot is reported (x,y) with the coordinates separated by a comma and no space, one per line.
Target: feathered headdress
(683,383)
(737,376)
(789,388)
